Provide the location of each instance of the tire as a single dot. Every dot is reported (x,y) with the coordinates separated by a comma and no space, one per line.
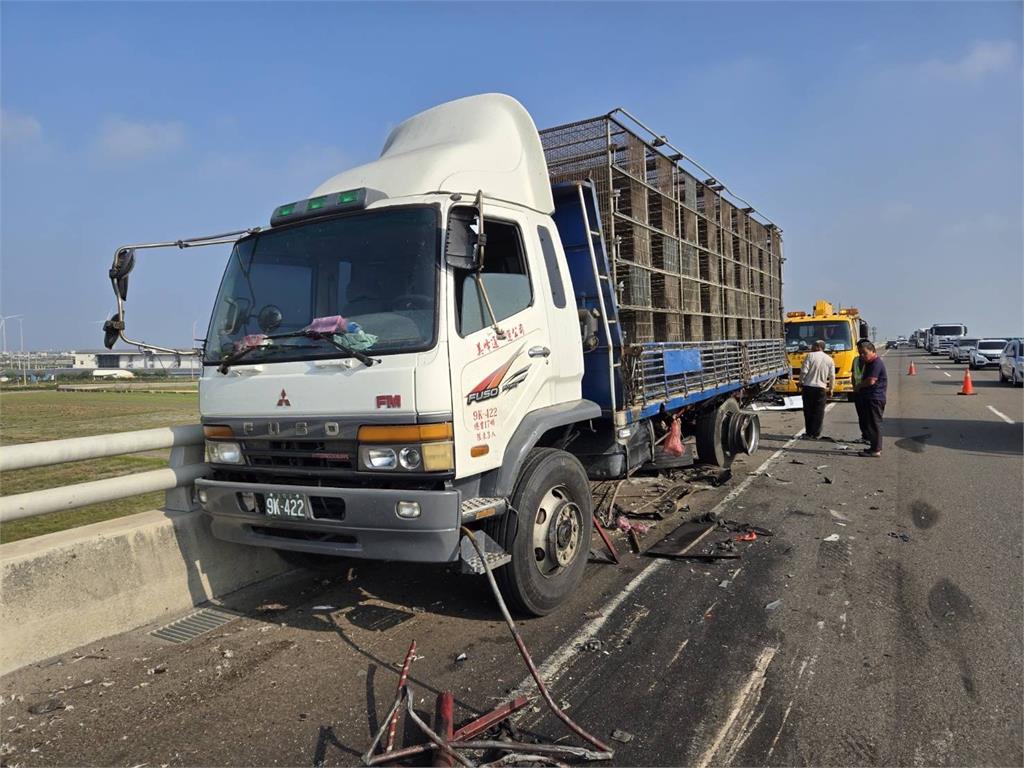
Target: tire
(546,530)
(712,434)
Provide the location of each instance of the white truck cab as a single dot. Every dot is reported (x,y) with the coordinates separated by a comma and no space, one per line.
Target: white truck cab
(401,354)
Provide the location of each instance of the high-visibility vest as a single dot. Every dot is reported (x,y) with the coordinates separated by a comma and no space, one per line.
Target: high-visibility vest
(857,370)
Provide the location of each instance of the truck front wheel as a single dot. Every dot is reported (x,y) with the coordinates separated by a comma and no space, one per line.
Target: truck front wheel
(547,532)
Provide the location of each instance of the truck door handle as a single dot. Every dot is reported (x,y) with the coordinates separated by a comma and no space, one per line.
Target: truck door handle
(539,352)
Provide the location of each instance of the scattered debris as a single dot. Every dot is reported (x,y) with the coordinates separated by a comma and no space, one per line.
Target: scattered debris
(901,536)
(748,536)
(461,657)
(821,467)
(593,645)
(159,669)
(724,584)
(796,461)
(832,537)
(324,608)
(449,744)
(826,480)
(624,736)
(839,515)
(773,605)
(50,705)
(227,653)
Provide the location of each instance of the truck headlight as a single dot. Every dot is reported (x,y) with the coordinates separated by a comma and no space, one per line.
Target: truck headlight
(381,458)
(410,458)
(221,452)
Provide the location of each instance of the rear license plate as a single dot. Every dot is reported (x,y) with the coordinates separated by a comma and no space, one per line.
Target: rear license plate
(287,505)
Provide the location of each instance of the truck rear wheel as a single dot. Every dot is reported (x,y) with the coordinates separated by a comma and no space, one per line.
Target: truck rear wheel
(547,532)
(713,434)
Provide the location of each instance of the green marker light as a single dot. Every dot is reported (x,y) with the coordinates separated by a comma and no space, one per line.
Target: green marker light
(348,197)
(286,210)
(316,203)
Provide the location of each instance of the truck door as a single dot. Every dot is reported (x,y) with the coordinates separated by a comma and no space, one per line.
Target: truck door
(497,380)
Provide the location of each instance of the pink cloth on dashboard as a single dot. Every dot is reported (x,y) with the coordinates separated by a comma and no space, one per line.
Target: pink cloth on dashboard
(331,324)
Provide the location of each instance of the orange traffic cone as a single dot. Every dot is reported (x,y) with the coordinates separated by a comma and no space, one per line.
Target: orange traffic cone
(968,386)
(912,370)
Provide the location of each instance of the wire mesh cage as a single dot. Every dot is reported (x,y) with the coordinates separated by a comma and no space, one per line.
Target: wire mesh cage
(689,263)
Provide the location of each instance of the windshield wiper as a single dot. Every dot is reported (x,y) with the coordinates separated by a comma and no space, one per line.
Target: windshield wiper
(229,360)
(234,357)
(359,355)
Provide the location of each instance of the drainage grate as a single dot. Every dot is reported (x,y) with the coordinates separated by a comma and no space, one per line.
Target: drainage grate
(194,625)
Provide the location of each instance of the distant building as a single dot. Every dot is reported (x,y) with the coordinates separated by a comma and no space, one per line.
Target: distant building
(138,360)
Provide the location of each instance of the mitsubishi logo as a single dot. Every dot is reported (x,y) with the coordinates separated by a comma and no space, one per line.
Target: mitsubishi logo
(283,400)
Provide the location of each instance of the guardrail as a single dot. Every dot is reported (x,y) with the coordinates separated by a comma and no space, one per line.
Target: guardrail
(184,467)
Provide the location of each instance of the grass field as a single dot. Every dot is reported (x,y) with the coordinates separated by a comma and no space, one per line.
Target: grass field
(33,416)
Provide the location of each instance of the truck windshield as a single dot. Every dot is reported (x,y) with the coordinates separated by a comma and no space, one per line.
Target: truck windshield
(377,269)
(800,337)
(948,330)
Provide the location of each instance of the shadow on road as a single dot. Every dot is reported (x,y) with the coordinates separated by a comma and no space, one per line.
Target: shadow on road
(974,435)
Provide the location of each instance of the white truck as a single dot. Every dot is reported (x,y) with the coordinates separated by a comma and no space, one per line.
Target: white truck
(440,339)
(942,335)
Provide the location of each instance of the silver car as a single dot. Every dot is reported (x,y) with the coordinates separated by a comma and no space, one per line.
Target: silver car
(1011,363)
(960,349)
(986,352)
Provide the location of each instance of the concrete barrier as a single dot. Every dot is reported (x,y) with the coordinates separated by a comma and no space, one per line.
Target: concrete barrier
(66,589)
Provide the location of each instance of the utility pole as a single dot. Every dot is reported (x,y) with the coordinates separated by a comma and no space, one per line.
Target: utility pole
(874,333)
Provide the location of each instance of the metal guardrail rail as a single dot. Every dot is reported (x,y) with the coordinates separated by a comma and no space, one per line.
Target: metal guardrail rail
(185,466)
(722,363)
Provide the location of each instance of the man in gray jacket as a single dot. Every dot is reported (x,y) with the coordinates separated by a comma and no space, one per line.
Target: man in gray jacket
(817,381)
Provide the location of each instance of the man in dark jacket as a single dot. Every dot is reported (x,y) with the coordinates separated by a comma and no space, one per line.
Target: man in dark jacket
(872,389)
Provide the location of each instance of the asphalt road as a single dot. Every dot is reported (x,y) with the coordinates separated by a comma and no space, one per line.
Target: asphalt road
(897,641)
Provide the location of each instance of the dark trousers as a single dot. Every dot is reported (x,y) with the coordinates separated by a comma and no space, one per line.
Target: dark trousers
(861,404)
(873,410)
(814,409)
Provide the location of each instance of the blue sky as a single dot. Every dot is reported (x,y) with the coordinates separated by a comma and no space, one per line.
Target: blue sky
(885,138)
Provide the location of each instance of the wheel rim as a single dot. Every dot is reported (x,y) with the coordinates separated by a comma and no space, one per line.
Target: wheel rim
(557,531)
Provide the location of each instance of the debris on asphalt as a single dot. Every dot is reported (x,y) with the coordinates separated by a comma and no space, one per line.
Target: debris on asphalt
(324,608)
(724,584)
(796,461)
(159,669)
(450,745)
(773,605)
(832,537)
(826,480)
(593,645)
(748,536)
(50,705)
(839,515)
(461,657)
(624,736)
(821,467)
(901,536)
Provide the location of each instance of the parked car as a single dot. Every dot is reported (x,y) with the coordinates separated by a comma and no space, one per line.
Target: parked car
(960,349)
(1011,363)
(986,351)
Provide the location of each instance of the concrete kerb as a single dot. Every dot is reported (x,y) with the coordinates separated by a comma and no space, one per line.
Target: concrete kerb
(66,589)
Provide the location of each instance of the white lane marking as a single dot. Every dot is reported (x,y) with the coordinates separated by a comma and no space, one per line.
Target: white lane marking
(778,733)
(753,686)
(557,663)
(1002,416)
(946,373)
(935,367)
(679,651)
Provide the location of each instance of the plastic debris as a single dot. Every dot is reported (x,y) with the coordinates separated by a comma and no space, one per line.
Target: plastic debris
(821,467)
(748,536)
(833,537)
(461,657)
(623,736)
(724,584)
(773,605)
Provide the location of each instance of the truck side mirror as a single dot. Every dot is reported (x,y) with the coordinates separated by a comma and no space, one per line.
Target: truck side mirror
(462,247)
(124,263)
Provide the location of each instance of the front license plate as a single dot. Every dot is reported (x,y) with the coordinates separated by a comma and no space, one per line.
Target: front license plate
(288,505)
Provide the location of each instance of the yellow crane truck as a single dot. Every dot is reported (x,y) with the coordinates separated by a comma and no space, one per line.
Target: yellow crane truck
(838,328)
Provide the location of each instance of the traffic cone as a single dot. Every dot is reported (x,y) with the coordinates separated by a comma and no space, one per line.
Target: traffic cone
(968,388)
(912,370)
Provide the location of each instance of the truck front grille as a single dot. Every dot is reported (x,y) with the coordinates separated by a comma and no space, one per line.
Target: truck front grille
(300,454)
